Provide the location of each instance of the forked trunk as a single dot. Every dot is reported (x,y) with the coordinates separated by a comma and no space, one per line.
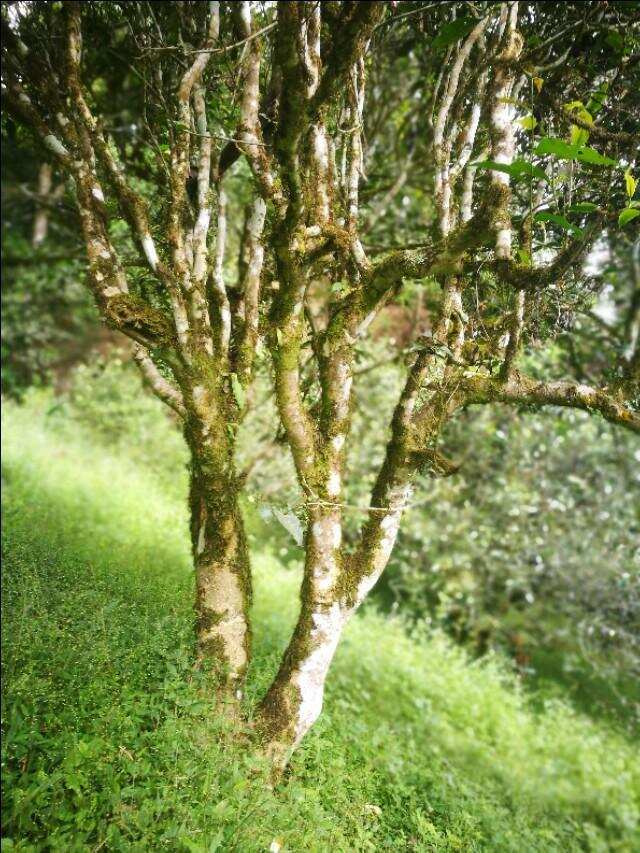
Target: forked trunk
(333,589)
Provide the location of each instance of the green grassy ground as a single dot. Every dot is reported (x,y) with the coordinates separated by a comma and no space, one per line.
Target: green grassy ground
(110,742)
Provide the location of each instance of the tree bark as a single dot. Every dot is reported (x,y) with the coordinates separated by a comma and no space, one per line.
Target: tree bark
(220,554)
(333,588)
(223,585)
(294,700)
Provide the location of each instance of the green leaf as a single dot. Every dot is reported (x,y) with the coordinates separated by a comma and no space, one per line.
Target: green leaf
(192,846)
(560,221)
(557,148)
(565,151)
(238,391)
(579,136)
(583,207)
(528,122)
(630,183)
(585,116)
(627,215)
(590,155)
(291,524)
(517,169)
(452,32)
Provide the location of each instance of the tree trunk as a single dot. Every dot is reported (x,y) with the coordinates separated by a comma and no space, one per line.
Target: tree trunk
(332,590)
(223,585)
(220,554)
(294,700)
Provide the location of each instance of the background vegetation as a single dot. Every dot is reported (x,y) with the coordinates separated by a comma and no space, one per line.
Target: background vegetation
(109,741)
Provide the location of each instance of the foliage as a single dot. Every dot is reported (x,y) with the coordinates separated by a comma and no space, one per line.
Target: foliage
(48,319)
(533,548)
(110,740)
(104,397)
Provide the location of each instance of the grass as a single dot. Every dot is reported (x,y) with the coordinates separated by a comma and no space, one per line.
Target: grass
(111,743)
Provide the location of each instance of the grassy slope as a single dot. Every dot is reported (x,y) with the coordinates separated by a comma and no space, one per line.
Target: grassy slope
(110,742)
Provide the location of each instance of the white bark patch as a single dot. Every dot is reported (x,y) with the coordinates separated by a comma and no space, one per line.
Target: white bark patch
(255,264)
(585,391)
(225,320)
(365,586)
(222,594)
(310,677)
(202,222)
(503,243)
(255,223)
(321,155)
(150,252)
(97,193)
(409,405)
(53,144)
(201,540)
(327,533)
(345,381)
(181,320)
(200,242)
(199,395)
(390,524)
(327,537)
(333,486)
(337,442)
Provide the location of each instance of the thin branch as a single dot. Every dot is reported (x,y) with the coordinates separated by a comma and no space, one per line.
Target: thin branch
(159,384)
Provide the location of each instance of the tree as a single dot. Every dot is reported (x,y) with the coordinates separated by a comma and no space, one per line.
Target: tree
(514,208)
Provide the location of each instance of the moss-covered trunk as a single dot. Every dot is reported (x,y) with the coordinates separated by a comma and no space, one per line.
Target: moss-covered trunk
(220,552)
(334,586)
(223,584)
(294,700)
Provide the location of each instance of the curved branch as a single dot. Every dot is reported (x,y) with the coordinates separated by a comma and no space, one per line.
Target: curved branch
(527,278)
(524,390)
(159,384)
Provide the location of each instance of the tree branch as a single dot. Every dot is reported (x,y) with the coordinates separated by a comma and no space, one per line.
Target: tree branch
(159,384)
(524,390)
